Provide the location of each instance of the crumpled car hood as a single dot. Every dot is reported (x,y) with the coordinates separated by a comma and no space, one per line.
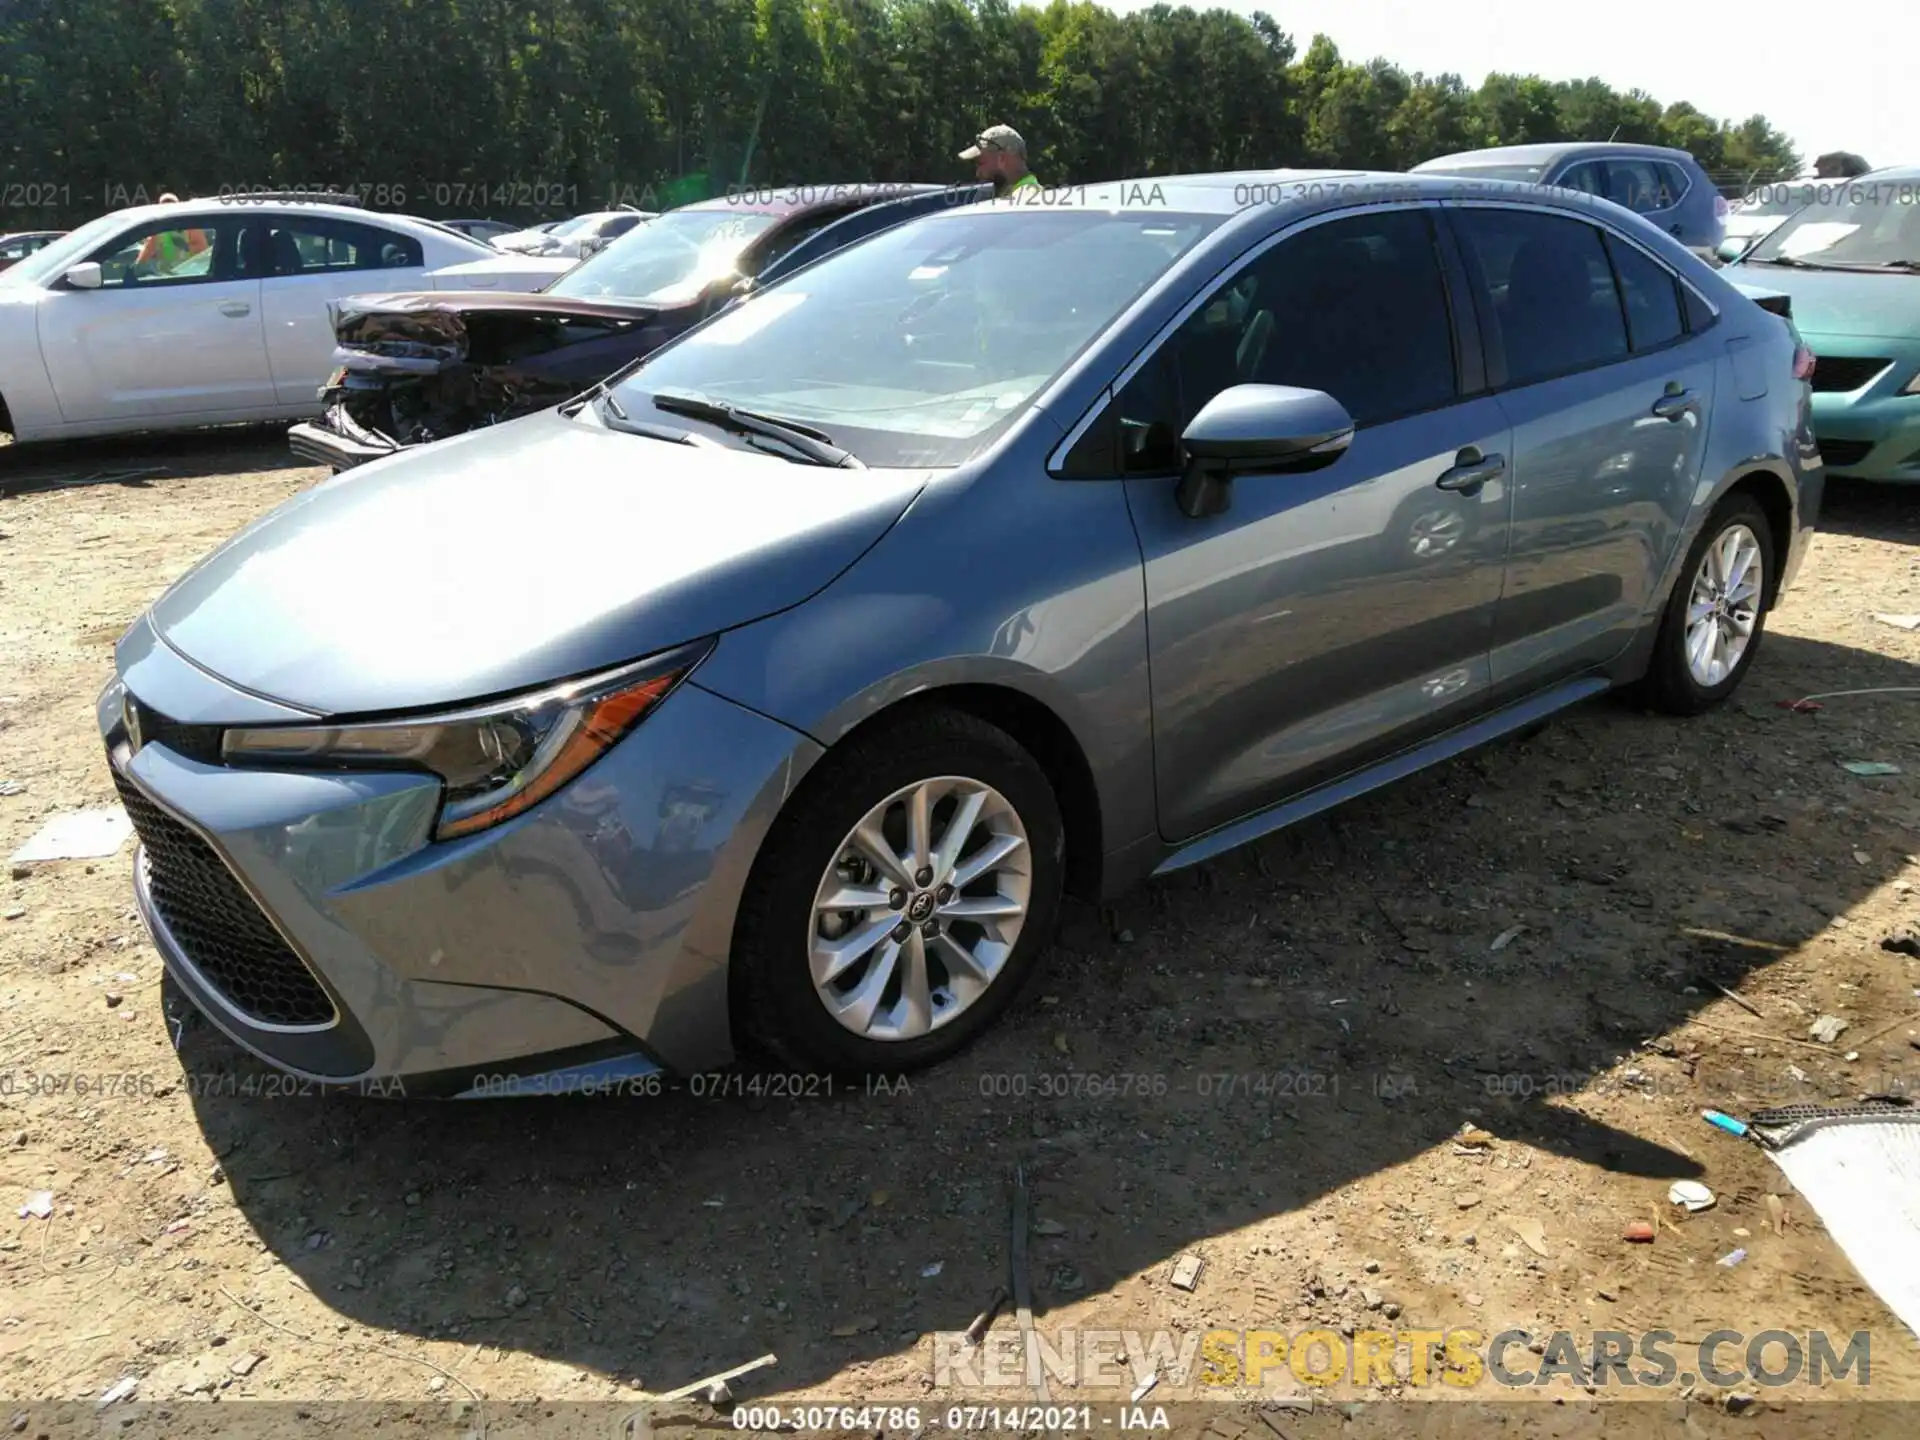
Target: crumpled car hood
(513,556)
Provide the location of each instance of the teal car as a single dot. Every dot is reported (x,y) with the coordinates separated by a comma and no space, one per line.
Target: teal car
(1850,261)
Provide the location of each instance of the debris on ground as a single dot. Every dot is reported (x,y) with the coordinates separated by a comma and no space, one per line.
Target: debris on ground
(1904,941)
(1531,1232)
(39,1206)
(1144,1388)
(859,1325)
(1466,1199)
(977,1331)
(1731,1258)
(1638,1233)
(1723,1121)
(927,1272)
(1186,1271)
(119,1390)
(1777,1213)
(1827,1028)
(1472,1137)
(81,835)
(1903,622)
(1866,768)
(246,1363)
(1692,1194)
(1048,1227)
(705,1385)
(1507,936)
(1018,1274)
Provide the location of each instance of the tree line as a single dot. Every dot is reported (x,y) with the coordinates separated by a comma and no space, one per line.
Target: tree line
(518,108)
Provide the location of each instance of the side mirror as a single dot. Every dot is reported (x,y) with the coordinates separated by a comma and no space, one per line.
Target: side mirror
(1733,247)
(1258,430)
(84,276)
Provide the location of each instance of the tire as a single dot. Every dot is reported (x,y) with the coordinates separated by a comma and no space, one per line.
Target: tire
(777,1003)
(1672,685)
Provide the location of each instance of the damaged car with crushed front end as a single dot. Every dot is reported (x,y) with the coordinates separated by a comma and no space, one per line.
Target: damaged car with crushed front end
(411,369)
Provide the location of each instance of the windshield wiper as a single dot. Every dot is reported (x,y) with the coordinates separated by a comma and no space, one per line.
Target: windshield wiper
(1792,262)
(614,416)
(815,445)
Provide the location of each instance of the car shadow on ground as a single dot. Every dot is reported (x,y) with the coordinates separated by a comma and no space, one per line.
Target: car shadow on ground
(1219,1048)
(142,459)
(1872,512)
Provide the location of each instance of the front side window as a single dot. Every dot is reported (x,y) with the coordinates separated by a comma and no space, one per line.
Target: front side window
(919,345)
(317,245)
(183,251)
(1850,224)
(1589,177)
(1546,285)
(1355,307)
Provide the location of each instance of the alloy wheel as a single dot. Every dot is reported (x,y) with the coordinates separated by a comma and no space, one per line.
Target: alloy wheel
(920,909)
(1723,606)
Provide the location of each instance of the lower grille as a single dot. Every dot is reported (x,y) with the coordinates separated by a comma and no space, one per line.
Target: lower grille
(1844,373)
(1844,452)
(223,932)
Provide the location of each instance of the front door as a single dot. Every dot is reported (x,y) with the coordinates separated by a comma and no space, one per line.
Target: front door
(1326,617)
(172,333)
(1608,396)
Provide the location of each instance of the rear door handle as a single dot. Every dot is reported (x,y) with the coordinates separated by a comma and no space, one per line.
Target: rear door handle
(1471,470)
(235,308)
(1675,403)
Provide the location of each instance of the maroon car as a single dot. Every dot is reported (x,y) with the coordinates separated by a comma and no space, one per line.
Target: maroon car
(414,368)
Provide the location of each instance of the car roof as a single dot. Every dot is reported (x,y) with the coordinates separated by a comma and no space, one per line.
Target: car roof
(1546,152)
(281,209)
(785,200)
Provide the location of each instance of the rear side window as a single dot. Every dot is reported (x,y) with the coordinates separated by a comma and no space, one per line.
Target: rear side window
(1651,296)
(322,245)
(1546,287)
(1679,182)
(1589,176)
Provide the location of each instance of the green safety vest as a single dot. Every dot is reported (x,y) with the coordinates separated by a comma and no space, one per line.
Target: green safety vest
(1023,182)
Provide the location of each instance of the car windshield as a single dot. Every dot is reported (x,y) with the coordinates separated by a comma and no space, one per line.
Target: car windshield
(1863,223)
(666,261)
(1525,174)
(918,346)
(57,256)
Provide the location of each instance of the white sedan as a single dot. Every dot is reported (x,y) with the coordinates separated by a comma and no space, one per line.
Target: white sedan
(200,312)
(573,239)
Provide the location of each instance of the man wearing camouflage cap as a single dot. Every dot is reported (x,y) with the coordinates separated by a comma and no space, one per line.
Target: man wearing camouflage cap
(999,154)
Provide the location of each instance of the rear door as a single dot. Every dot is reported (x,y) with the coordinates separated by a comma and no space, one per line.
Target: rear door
(309,260)
(1324,617)
(172,334)
(1608,394)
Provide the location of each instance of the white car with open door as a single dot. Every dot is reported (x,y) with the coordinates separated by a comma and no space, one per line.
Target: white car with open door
(198,312)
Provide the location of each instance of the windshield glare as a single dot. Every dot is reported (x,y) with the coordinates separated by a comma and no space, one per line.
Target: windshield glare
(916,347)
(1847,223)
(669,260)
(59,255)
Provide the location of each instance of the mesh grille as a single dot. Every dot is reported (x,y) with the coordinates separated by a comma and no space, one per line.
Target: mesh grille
(1845,452)
(1844,372)
(213,919)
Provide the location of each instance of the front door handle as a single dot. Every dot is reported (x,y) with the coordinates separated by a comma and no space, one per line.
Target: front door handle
(1471,470)
(235,308)
(1675,404)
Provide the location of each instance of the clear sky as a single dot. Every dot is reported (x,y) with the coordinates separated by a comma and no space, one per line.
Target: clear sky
(1844,75)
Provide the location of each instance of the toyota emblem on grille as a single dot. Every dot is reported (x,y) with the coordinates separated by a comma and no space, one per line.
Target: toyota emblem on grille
(130,714)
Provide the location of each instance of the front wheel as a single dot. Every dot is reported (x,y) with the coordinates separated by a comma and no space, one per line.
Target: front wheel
(1717,614)
(903,899)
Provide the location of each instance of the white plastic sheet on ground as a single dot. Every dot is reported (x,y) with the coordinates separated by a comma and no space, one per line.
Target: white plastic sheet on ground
(1863,1178)
(81,835)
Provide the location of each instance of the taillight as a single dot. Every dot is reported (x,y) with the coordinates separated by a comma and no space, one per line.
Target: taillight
(1803,362)
(1720,207)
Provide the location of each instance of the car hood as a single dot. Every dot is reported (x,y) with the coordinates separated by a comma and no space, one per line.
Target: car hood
(513,556)
(1830,302)
(431,303)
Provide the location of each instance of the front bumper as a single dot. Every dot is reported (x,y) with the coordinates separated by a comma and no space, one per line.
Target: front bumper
(335,441)
(1872,432)
(312,919)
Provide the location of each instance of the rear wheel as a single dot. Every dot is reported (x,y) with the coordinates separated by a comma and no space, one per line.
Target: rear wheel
(1717,614)
(902,901)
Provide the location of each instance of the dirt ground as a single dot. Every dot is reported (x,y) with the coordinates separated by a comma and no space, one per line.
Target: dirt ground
(1264,1064)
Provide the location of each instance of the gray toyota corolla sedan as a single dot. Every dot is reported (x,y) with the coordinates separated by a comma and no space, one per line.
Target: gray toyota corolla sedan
(776,690)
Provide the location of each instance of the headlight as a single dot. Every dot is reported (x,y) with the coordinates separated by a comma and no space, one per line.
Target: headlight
(495,760)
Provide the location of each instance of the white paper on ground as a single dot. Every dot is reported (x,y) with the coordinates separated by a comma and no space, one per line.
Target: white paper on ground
(1863,1178)
(82,835)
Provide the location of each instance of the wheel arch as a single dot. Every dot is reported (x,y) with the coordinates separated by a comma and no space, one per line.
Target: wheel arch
(1776,503)
(1043,733)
